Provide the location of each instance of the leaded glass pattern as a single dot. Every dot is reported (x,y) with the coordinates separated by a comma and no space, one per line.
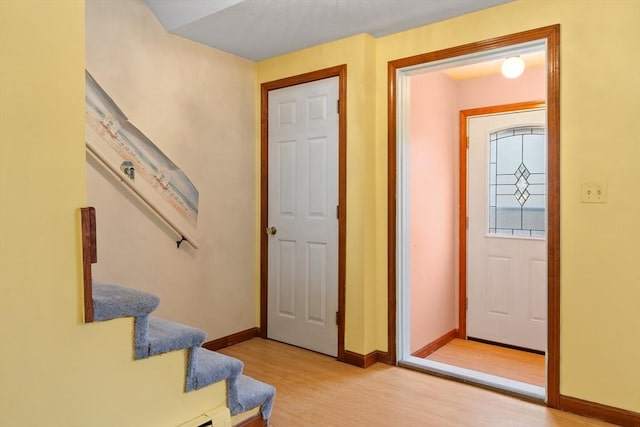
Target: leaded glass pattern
(518,182)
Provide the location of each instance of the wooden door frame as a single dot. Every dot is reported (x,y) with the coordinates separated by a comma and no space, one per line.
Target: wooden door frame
(339,71)
(463,202)
(551,35)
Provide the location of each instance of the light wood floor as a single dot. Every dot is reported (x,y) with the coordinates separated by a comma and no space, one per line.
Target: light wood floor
(316,390)
(490,359)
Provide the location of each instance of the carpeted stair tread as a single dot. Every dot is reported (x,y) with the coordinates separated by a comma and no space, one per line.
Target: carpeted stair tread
(213,367)
(250,393)
(112,302)
(165,335)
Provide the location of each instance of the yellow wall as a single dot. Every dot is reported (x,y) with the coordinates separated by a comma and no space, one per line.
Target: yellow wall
(55,370)
(599,243)
(599,96)
(358,53)
(77,372)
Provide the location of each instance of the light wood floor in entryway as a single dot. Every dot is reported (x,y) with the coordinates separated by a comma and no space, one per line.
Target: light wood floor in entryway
(491,359)
(316,390)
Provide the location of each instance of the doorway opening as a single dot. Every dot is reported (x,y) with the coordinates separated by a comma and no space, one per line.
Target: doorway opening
(439,205)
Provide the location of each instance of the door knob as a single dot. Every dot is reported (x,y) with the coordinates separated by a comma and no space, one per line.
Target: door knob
(271,230)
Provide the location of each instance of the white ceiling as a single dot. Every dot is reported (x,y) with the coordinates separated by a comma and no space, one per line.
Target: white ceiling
(261,29)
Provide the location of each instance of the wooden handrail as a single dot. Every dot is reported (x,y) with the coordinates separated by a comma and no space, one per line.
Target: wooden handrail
(89,256)
(183,234)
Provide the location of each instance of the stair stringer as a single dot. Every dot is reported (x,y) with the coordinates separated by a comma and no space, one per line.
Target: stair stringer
(155,336)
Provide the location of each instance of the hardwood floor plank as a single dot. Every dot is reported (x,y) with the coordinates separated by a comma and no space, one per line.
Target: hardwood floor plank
(490,359)
(317,390)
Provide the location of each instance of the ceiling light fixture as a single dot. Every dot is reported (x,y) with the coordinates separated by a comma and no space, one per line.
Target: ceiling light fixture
(512,67)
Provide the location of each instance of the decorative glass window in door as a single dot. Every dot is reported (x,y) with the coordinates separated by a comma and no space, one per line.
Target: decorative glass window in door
(518,182)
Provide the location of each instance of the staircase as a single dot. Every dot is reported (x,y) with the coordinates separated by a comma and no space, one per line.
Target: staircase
(154,336)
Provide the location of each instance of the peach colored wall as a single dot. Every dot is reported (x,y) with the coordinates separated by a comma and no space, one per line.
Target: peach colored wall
(497,90)
(433,134)
(197,105)
(432,219)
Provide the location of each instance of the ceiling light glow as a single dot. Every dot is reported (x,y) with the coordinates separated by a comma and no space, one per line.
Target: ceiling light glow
(512,67)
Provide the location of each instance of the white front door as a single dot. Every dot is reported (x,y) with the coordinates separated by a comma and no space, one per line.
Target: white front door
(506,247)
(303,225)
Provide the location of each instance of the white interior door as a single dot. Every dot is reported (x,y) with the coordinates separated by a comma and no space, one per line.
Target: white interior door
(506,247)
(302,215)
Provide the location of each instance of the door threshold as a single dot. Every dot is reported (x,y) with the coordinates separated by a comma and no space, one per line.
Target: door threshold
(512,347)
(518,389)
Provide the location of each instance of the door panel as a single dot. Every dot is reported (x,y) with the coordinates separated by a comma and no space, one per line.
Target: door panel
(316,283)
(285,285)
(318,177)
(303,195)
(499,295)
(286,163)
(538,284)
(506,256)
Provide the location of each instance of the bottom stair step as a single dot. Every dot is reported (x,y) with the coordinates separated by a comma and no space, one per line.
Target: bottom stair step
(247,393)
(250,418)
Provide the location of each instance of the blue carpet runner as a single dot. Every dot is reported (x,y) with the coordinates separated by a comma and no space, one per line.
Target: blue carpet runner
(153,336)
